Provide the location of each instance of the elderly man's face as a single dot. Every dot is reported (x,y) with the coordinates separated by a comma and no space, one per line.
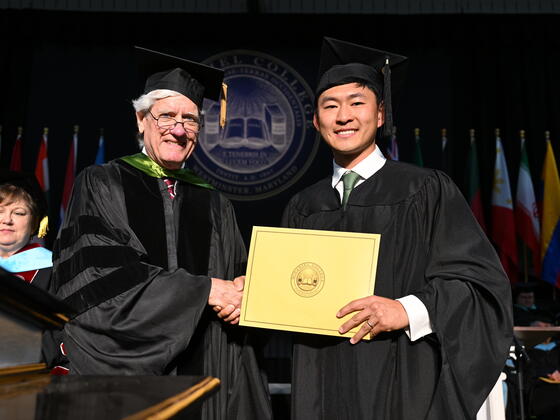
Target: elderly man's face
(168,147)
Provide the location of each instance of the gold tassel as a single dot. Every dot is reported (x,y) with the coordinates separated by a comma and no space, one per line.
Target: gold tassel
(223,106)
(43,227)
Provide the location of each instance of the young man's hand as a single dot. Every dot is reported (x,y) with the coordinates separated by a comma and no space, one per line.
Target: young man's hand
(376,314)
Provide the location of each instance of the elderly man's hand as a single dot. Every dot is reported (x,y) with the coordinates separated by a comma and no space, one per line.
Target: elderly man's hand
(225,298)
(375,314)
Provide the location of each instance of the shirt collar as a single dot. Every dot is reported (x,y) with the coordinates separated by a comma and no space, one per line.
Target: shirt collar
(366,168)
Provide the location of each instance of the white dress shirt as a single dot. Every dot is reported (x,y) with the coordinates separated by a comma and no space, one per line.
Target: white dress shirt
(418,317)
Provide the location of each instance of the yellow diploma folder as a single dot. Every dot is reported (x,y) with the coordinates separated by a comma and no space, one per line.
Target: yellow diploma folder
(298,279)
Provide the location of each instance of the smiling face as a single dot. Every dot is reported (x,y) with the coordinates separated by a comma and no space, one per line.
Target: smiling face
(16,226)
(168,147)
(348,117)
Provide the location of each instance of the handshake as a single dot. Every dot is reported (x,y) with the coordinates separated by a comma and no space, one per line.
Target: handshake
(225,298)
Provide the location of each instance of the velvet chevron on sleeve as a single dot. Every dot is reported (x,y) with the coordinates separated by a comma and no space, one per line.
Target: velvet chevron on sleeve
(136,266)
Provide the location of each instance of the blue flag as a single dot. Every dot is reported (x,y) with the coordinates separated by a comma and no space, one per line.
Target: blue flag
(100,157)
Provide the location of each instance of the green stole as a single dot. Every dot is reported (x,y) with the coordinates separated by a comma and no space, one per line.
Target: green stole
(143,163)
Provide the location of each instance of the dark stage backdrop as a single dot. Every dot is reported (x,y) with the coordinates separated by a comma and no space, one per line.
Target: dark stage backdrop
(58,69)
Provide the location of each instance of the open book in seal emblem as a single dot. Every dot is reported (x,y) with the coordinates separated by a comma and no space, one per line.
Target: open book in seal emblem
(308,279)
(269,140)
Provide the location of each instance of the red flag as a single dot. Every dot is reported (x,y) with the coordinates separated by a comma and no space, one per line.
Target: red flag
(526,213)
(503,223)
(15,163)
(70,175)
(42,175)
(42,167)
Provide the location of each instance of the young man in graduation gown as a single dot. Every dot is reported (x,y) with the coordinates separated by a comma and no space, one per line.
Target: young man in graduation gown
(440,317)
(144,251)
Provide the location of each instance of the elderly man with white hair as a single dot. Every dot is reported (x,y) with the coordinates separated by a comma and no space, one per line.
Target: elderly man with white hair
(147,250)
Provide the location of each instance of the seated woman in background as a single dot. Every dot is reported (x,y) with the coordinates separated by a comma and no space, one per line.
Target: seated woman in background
(23,213)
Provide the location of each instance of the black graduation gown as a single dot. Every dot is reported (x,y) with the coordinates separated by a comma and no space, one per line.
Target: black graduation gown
(43,278)
(432,247)
(136,266)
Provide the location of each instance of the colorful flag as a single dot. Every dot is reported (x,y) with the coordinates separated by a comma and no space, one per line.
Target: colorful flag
(69,178)
(100,157)
(526,212)
(474,196)
(418,160)
(15,162)
(550,237)
(393,149)
(42,167)
(503,222)
(42,172)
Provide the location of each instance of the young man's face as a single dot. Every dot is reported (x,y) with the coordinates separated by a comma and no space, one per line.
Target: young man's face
(348,117)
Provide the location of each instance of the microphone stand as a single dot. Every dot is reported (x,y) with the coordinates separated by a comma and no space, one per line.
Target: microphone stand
(521,357)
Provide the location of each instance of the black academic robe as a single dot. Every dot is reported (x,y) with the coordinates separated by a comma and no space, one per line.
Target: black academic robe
(136,265)
(525,317)
(432,247)
(42,278)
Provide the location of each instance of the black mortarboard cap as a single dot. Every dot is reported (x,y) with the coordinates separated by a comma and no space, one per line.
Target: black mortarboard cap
(194,80)
(529,286)
(28,182)
(344,62)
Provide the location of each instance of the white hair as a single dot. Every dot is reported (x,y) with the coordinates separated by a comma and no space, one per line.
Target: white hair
(145,102)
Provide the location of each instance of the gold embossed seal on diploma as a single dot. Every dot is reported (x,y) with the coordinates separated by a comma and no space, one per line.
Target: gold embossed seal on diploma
(298,279)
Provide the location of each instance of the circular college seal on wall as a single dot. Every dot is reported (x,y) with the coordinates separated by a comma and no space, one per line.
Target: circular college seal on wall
(269,139)
(308,279)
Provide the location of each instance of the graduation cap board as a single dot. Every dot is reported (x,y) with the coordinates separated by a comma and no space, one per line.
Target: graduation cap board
(344,62)
(30,185)
(194,80)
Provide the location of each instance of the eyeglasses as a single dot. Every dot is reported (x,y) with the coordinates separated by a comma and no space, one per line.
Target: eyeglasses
(191,123)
